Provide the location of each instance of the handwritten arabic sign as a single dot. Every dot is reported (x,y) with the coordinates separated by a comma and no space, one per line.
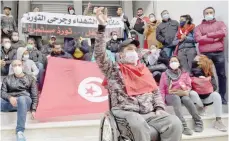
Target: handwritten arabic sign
(43,23)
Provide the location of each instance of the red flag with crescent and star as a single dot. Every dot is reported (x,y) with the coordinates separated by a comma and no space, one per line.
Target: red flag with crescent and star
(71,87)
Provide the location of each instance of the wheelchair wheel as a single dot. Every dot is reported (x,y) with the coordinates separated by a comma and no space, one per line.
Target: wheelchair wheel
(107,130)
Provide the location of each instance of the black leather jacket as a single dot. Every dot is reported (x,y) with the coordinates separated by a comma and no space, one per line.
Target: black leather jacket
(16,87)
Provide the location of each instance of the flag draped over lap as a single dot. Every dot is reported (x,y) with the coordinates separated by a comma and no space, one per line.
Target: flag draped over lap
(71,87)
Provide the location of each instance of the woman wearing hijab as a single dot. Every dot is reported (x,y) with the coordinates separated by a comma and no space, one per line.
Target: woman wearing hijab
(150,31)
(175,86)
(204,88)
(185,43)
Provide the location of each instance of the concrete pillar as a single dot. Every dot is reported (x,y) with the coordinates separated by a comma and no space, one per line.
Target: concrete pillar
(128,8)
(78,7)
(23,7)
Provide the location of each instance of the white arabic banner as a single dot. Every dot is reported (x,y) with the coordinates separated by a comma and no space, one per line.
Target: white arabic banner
(68,20)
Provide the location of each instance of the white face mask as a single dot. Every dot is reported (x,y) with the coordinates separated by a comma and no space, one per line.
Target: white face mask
(15,38)
(25,57)
(71,12)
(165,16)
(209,17)
(115,37)
(152,19)
(174,65)
(17,70)
(94,10)
(132,57)
(7,45)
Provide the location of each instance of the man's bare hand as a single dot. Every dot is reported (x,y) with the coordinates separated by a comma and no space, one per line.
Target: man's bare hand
(33,114)
(3,63)
(100,16)
(5,31)
(13,101)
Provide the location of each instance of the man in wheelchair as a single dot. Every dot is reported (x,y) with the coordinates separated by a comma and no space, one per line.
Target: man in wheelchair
(133,91)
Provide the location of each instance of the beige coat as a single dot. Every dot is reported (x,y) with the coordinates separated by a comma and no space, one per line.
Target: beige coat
(150,34)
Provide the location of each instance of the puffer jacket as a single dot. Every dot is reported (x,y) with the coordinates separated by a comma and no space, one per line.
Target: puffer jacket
(166,32)
(25,86)
(36,55)
(9,56)
(113,45)
(206,34)
(189,41)
(16,45)
(8,22)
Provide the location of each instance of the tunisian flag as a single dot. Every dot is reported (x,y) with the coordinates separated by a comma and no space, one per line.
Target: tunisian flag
(71,87)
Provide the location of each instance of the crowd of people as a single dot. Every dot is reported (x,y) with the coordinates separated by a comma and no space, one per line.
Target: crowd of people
(168,71)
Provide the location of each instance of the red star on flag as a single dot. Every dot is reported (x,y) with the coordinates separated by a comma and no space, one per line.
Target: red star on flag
(90,91)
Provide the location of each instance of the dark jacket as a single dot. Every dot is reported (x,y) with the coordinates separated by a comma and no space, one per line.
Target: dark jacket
(9,56)
(113,45)
(25,86)
(46,49)
(189,41)
(36,55)
(16,45)
(166,32)
(8,22)
(62,55)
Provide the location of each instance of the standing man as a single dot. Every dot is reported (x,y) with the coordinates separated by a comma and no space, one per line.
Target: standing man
(138,23)
(125,20)
(8,24)
(210,36)
(19,92)
(166,32)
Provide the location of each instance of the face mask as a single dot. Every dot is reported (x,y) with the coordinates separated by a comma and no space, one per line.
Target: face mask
(17,70)
(15,38)
(29,47)
(209,17)
(94,11)
(182,23)
(71,12)
(174,65)
(25,57)
(132,57)
(153,50)
(7,45)
(165,17)
(115,37)
(152,19)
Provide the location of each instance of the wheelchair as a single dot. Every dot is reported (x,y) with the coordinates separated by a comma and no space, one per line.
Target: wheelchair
(117,129)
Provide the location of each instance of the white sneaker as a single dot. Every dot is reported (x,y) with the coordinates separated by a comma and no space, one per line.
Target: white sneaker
(20,136)
(220,126)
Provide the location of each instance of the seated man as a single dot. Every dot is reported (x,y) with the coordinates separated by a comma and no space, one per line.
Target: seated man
(7,56)
(38,58)
(47,49)
(57,51)
(19,92)
(139,103)
(16,43)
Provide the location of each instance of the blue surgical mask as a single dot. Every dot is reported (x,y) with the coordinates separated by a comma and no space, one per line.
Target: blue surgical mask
(165,16)
(209,17)
(182,23)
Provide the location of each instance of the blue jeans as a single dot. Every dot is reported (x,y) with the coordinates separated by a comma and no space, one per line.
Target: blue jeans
(40,78)
(168,51)
(219,62)
(23,105)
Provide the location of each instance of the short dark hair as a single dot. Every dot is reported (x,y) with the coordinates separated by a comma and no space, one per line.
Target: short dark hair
(140,9)
(32,39)
(187,17)
(112,32)
(164,11)
(209,8)
(4,37)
